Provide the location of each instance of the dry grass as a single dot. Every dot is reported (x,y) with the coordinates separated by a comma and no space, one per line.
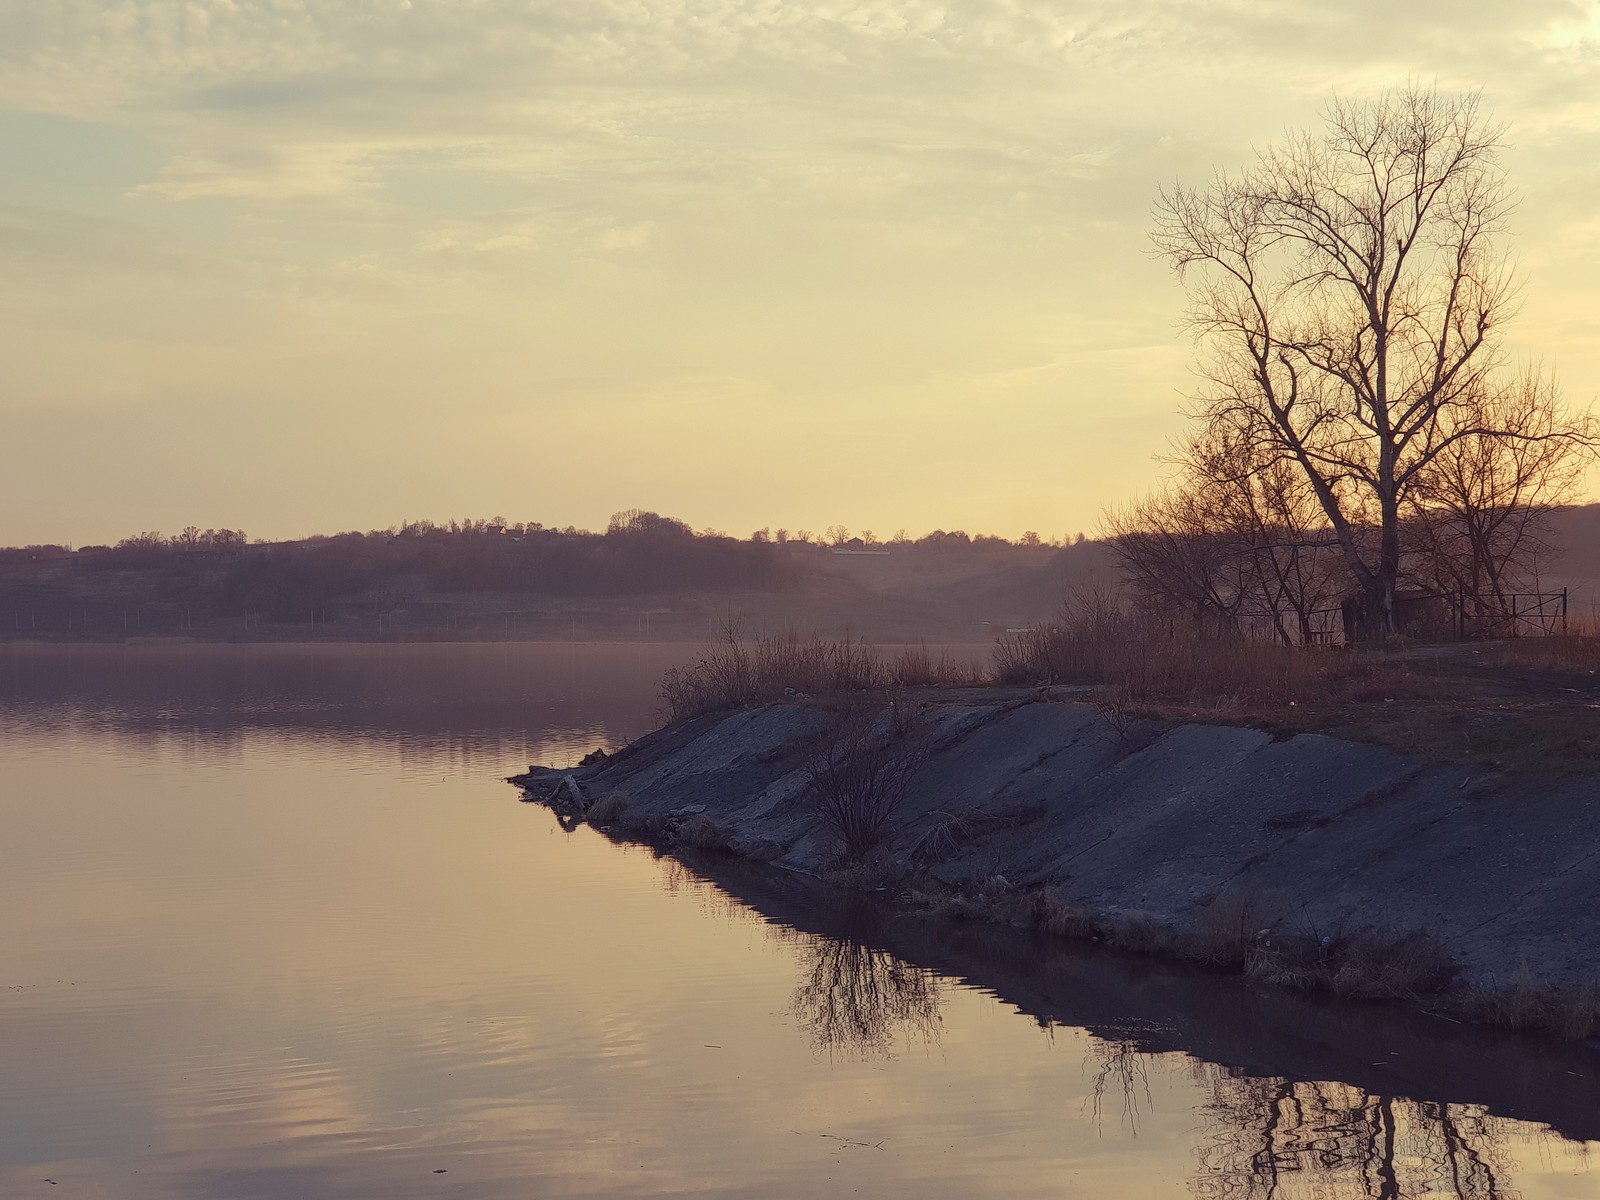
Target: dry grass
(1531,1007)
(739,672)
(1046,910)
(917,667)
(1145,658)
(1366,966)
(608,808)
(700,832)
(1525,705)
(1577,650)
(1232,935)
(1229,932)
(954,906)
(950,832)
(1139,933)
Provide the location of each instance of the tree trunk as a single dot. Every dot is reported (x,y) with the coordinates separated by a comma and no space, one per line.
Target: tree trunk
(1384,582)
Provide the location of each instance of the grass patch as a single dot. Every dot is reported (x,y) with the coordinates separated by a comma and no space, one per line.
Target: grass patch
(1529,1007)
(740,672)
(608,809)
(1046,910)
(1527,705)
(1145,658)
(950,832)
(700,832)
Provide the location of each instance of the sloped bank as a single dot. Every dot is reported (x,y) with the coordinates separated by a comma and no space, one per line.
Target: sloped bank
(1304,860)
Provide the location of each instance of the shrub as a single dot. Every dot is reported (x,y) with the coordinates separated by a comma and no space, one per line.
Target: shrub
(608,808)
(1528,1006)
(1367,966)
(1047,911)
(700,832)
(916,667)
(1149,658)
(739,672)
(862,772)
(1138,933)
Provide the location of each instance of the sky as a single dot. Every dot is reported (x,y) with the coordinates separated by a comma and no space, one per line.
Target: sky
(299,266)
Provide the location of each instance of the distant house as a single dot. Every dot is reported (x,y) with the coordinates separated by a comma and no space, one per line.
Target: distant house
(856,546)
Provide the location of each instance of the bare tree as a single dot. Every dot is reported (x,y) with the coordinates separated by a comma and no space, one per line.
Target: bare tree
(1178,556)
(1238,542)
(1348,291)
(1483,507)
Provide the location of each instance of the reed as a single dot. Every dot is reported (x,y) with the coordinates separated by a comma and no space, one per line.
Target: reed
(1148,658)
(740,672)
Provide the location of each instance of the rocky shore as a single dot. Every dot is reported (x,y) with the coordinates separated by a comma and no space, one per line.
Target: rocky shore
(1302,860)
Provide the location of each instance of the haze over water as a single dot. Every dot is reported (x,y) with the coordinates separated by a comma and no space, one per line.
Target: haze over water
(271,925)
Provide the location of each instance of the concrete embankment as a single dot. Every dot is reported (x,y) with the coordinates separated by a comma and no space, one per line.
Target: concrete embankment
(1310,837)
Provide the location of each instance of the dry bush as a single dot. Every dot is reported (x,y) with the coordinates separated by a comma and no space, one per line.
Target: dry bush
(1138,933)
(916,667)
(861,774)
(944,838)
(1577,649)
(721,676)
(608,808)
(1366,966)
(1145,657)
(1049,912)
(700,832)
(956,906)
(739,672)
(1402,968)
(1229,932)
(1531,1007)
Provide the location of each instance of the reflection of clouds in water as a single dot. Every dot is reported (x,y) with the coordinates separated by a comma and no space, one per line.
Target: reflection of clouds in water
(436,706)
(1267,1138)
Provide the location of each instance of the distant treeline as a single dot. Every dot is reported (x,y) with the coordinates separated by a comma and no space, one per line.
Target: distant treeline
(490,577)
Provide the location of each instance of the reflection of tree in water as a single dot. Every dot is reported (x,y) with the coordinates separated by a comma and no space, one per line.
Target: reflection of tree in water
(1272,1138)
(856,998)
(712,900)
(1122,1070)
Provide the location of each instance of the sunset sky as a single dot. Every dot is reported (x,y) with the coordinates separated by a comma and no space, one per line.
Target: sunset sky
(306,265)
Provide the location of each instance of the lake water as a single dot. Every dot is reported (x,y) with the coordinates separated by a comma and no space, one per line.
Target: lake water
(272,926)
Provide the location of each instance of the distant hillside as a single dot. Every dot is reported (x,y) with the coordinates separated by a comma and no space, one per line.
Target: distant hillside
(646,577)
(1576,565)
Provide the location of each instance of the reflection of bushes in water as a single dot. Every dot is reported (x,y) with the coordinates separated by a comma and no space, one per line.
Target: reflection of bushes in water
(1269,1138)
(857,998)
(678,880)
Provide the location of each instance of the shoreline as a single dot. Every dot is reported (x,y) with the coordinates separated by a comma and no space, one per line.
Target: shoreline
(1298,860)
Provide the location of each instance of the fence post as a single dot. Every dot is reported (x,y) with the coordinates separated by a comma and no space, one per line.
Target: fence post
(1563,612)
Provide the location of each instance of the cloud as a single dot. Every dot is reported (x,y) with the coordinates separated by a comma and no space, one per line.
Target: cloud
(574,201)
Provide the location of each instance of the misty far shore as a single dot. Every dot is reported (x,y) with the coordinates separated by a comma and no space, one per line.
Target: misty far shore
(647,578)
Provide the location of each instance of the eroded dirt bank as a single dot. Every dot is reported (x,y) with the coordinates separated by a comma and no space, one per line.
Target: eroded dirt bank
(1193,829)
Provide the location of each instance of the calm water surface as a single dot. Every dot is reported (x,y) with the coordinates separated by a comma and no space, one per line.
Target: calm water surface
(271,926)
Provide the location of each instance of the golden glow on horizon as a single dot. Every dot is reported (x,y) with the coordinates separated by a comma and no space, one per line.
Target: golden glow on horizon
(299,267)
